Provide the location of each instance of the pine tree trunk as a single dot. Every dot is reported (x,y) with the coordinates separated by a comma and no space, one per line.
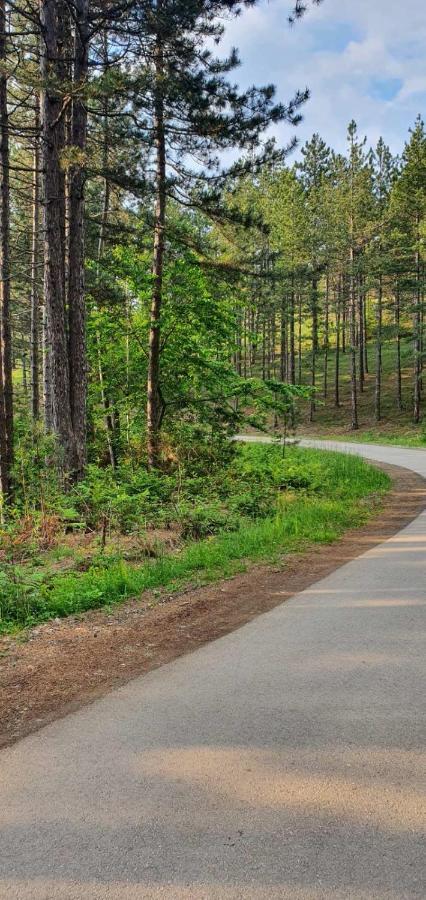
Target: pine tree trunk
(344,321)
(291,351)
(24,374)
(314,289)
(245,329)
(326,335)
(283,342)
(365,325)
(360,334)
(299,342)
(58,406)
(6,389)
(274,344)
(35,263)
(76,298)
(378,384)
(112,437)
(269,346)
(263,349)
(353,349)
(398,349)
(337,356)
(154,403)
(417,331)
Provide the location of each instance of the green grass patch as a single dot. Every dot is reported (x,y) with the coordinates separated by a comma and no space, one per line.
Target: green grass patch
(377,436)
(276,505)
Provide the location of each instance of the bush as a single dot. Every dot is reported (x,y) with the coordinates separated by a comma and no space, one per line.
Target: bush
(256,502)
(204,519)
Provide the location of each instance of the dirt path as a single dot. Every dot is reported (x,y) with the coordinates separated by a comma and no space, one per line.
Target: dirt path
(67,663)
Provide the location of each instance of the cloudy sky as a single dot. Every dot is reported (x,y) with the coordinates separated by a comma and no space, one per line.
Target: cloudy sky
(361,59)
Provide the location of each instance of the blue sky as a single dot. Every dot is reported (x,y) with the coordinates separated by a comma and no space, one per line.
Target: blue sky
(361,59)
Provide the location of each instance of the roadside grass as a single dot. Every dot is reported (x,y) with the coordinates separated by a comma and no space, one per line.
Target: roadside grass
(313,495)
(378,436)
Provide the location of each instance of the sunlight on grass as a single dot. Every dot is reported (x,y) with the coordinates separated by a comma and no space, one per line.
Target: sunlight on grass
(318,494)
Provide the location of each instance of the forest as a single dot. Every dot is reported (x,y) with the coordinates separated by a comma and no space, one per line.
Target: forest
(156,300)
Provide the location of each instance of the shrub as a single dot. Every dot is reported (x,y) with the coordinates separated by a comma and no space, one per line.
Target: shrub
(204,519)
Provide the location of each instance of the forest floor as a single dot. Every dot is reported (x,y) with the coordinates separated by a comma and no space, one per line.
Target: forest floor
(396,425)
(54,668)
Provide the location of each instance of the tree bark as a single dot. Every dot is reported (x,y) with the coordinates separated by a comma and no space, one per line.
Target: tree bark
(417,331)
(352,328)
(58,408)
(344,321)
(365,326)
(291,350)
(379,322)
(154,403)
(326,334)
(314,302)
(283,342)
(360,334)
(6,389)
(398,349)
(299,342)
(337,357)
(35,264)
(76,298)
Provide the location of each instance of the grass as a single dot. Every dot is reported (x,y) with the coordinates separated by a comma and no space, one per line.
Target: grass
(380,436)
(317,495)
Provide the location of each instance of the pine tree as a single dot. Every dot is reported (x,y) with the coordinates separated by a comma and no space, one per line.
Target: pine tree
(6,389)
(383,167)
(314,172)
(196,113)
(408,211)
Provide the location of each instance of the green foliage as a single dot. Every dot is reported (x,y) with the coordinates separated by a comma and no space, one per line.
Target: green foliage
(266,505)
(38,487)
(204,519)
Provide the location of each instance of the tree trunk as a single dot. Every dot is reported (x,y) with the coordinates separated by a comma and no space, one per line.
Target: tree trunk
(314,289)
(344,320)
(352,328)
(299,342)
(6,389)
(291,374)
(337,357)
(360,333)
(378,384)
(365,325)
(57,367)
(24,374)
(76,298)
(112,441)
(398,349)
(326,335)
(154,402)
(283,342)
(34,278)
(417,331)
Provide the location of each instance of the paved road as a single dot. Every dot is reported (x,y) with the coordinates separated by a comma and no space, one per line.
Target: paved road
(285,760)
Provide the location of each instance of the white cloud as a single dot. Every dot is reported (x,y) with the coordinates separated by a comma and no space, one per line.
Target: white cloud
(349,53)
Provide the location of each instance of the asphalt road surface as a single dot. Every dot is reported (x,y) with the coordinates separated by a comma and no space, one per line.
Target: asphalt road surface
(285,760)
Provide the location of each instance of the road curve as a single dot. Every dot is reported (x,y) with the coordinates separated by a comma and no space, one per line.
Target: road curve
(285,760)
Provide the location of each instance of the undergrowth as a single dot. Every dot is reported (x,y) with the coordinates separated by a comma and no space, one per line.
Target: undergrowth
(256,507)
